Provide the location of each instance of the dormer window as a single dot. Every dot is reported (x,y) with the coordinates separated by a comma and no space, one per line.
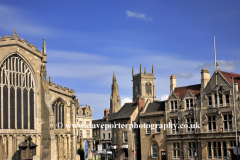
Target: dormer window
(189,103)
(173,105)
(87,113)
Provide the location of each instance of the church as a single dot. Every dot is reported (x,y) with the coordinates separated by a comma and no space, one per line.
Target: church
(31,105)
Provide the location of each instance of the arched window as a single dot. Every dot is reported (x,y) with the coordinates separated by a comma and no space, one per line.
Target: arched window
(148,88)
(154,150)
(17,92)
(58,110)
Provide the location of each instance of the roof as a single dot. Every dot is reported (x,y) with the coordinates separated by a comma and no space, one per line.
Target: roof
(229,76)
(97,121)
(110,115)
(125,112)
(156,106)
(181,91)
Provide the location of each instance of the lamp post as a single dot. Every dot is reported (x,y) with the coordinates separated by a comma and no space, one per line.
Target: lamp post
(234,108)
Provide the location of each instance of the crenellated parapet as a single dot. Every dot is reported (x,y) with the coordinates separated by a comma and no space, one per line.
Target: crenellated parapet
(59,88)
(143,74)
(15,40)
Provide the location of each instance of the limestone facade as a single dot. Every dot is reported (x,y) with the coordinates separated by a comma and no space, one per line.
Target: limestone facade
(211,109)
(32,105)
(84,130)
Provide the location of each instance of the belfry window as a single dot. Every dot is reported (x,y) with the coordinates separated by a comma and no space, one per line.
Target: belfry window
(58,110)
(17,92)
(148,88)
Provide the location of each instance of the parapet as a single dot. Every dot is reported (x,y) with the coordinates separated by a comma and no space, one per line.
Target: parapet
(8,40)
(60,89)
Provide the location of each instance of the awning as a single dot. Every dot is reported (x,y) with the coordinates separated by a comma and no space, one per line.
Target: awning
(125,146)
(114,147)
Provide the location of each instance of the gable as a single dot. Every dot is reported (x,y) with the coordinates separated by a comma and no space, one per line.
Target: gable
(188,94)
(173,96)
(211,86)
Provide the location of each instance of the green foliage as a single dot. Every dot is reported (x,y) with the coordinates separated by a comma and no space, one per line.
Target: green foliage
(81,153)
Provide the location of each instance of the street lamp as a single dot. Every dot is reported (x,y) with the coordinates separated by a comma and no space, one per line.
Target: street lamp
(234,108)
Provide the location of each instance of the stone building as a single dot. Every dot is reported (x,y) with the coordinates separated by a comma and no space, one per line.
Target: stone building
(143,85)
(84,127)
(32,105)
(153,139)
(126,141)
(211,108)
(103,135)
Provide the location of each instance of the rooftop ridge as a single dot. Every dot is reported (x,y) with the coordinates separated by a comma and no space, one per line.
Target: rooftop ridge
(188,86)
(22,41)
(235,74)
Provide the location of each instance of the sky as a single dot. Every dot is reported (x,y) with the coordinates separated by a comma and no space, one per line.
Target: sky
(87,39)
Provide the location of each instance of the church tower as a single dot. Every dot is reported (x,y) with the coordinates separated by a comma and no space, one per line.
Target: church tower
(143,85)
(115,102)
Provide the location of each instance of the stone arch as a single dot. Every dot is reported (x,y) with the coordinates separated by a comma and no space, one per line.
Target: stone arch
(154,152)
(19,88)
(148,88)
(58,111)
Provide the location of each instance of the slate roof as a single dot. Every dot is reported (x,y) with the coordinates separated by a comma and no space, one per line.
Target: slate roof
(229,76)
(181,91)
(156,106)
(110,115)
(125,112)
(97,121)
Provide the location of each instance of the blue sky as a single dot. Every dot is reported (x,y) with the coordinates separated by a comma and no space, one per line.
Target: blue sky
(85,39)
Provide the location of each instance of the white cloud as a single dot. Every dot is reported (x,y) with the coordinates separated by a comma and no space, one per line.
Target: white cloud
(222,65)
(125,100)
(138,15)
(164,97)
(184,75)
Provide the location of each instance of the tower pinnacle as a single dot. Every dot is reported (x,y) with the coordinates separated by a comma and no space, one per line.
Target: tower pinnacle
(44,46)
(133,71)
(15,33)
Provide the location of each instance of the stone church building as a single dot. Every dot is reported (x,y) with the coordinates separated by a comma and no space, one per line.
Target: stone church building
(31,105)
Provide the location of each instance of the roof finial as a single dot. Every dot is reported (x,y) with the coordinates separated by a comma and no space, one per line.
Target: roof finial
(15,33)
(152,69)
(44,46)
(140,68)
(145,71)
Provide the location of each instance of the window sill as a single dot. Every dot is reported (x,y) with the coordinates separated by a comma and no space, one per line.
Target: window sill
(157,132)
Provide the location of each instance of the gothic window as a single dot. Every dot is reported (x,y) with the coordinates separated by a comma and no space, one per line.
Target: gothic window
(148,89)
(17,92)
(154,151)
(58,110)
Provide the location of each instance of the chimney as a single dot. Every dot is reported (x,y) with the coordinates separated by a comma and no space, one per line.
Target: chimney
(205,77)
(140,103)
(106,111)
(173,83)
